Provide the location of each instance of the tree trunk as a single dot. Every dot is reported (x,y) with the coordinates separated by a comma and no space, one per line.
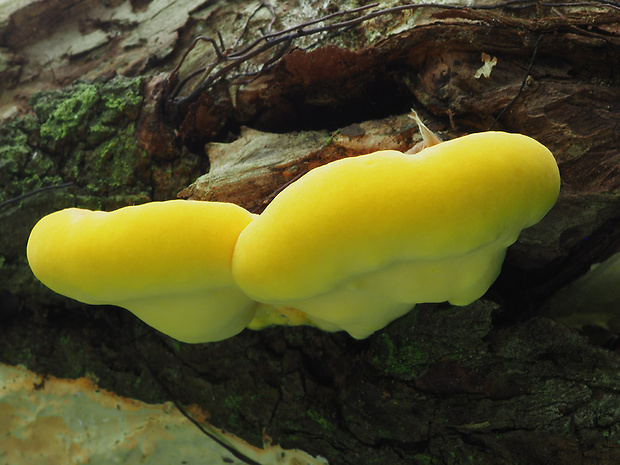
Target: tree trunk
(93,98)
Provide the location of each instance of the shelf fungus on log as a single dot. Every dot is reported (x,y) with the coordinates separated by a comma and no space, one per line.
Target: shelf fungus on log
(356,243)
(351,245)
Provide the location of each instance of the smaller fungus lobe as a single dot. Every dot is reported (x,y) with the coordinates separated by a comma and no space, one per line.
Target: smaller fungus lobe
(169,263)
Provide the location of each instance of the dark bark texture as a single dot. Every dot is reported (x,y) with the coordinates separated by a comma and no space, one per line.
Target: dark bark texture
(496,382)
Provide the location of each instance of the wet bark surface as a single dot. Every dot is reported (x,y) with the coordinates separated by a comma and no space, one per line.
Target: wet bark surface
(495,382)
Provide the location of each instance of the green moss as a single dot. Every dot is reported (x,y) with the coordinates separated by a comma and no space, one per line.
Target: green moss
(233,402)
(14,150)
(116,161)
(424,459)
(72,351)
(69,115)
(90,127)
(323,422)
(23,167)
(122,99)
(395,357)
(86,114)
(234,405)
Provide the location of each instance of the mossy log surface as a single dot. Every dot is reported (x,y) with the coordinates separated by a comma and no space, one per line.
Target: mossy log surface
(495,382)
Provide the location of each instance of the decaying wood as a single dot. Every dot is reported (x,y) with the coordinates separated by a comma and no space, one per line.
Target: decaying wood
(491,383)
(262,164)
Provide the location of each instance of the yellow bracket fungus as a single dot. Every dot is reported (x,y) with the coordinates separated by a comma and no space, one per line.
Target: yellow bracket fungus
(351,245)
(169,263)
(358,242)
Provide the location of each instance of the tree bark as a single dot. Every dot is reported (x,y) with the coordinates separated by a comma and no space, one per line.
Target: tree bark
(495,382)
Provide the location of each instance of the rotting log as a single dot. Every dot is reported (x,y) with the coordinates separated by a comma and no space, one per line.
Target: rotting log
(492,383)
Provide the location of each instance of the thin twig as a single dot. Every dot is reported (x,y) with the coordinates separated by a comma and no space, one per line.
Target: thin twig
(274,16)
(248,52)
(172,79)
(523,83)
(29,194)
(228,60)
(293,29)
(244,458)
(130,341)
(244,29)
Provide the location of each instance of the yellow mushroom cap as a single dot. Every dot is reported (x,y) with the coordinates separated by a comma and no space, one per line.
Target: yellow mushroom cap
(169,263)
(357,242)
